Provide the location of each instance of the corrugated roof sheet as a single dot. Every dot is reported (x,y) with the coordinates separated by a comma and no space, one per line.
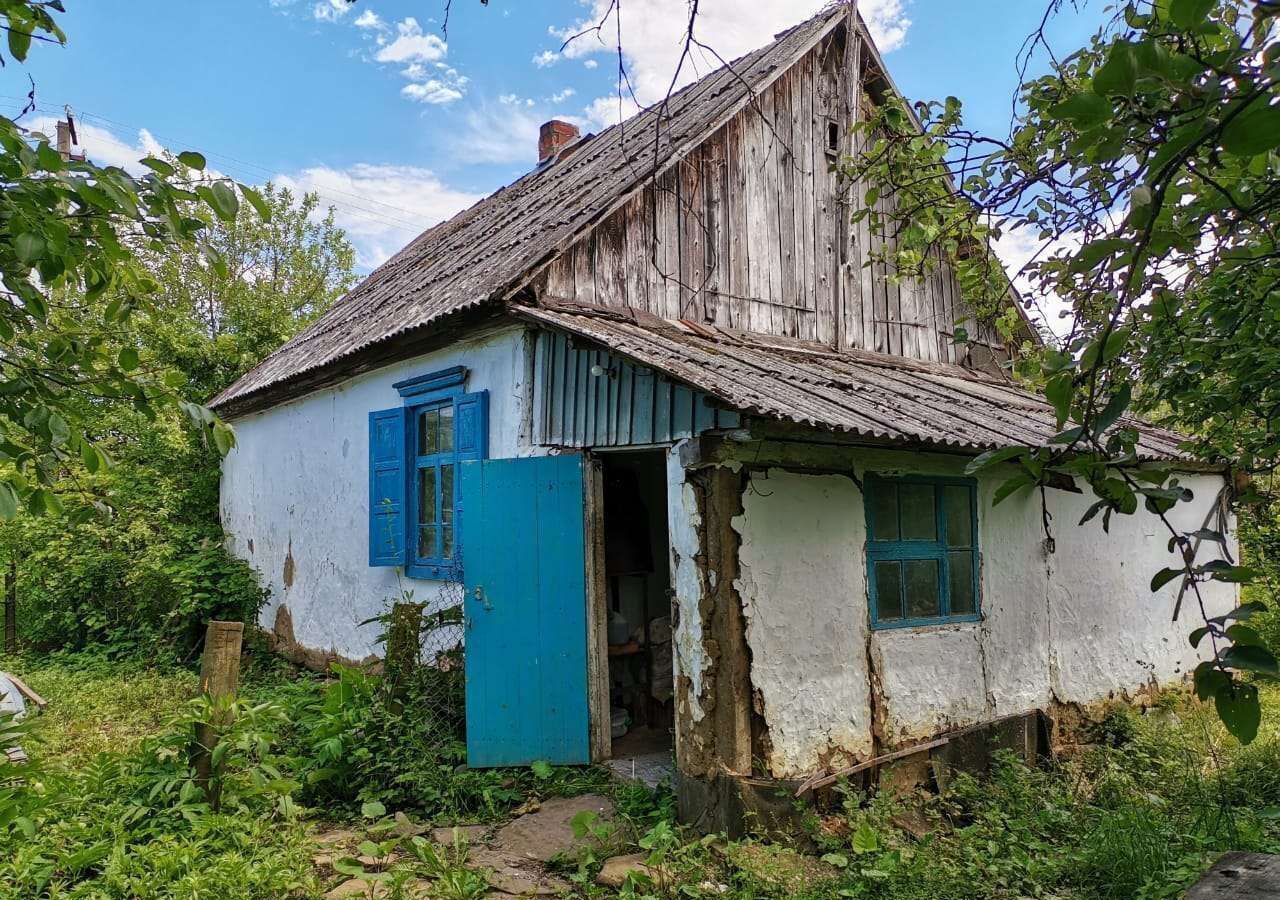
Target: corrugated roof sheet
(484,251)
(876,396)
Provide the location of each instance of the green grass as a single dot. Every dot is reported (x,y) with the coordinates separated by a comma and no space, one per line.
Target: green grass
(108,813)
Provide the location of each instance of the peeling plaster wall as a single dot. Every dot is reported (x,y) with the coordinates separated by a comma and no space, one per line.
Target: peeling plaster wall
(808,662)
(683,522)
(1077,625)
(295,491)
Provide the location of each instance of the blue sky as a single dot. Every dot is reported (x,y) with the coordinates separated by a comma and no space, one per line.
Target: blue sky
(397,126)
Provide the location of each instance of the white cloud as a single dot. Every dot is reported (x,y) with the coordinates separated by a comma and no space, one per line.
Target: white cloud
(505,132)
(432,91)
(412,45)
(1017,247)
(653,32)
(370,19)
(381,207)
(561,96)
(546,58)
(590,63)
(330,10)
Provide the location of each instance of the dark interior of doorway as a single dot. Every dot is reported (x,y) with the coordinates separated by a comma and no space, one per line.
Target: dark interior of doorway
(638,604)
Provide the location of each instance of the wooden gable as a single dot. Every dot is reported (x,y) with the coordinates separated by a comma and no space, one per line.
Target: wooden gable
(751,230)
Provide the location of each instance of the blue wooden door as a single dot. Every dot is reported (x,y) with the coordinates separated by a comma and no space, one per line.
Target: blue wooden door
(524,564)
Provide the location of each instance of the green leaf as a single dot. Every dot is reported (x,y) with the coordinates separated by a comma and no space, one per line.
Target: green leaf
(1119,73)
(19,40)
(89,456)
(1189,14)
(1254,131)
(1115,408)
(1250,658)
(839,860)
(1058,391)
(372,809)
(1239,710)
(1209,679)
(541,769)
(866,839)
(8,501)
(192,160)
(992,458)
(1084,110)
(29,246)
(128,359)
(255,200)
(159,166)
(223,438)
(224,201)
(1199,635)
(1163,577)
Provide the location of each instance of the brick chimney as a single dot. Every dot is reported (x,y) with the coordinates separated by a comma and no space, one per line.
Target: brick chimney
(554,137)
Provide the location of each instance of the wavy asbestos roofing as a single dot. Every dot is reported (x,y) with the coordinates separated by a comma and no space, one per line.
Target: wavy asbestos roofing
(484,252)
(887,398)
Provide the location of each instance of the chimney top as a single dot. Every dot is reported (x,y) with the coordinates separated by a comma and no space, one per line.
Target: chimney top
(554,137)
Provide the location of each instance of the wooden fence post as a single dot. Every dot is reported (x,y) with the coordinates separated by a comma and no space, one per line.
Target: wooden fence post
(11,609)
(219,676)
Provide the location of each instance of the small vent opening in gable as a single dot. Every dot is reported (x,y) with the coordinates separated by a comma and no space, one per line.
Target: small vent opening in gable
(833,138)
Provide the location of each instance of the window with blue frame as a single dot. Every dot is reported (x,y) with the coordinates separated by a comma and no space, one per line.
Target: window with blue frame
(415,505)
(922,550)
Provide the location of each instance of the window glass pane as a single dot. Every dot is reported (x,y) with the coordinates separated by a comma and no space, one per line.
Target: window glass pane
(445,438)
(884,512)
(888,590)
(427,541)
(921,577)
(426,496)
(919,517)
(956,497)
(962,599)
(446,494)
(428,431)
(446,511)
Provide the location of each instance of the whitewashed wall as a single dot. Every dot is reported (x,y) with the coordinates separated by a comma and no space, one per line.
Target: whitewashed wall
(295,490)
(1077,625)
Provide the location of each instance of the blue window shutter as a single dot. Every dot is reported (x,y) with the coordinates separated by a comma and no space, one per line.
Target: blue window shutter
(387,432)
(472,428)
(471,441)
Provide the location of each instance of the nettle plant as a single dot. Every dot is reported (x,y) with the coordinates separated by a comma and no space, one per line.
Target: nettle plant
(1145,167)
(71,275)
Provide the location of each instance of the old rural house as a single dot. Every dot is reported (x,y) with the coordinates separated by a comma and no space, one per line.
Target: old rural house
(700,470)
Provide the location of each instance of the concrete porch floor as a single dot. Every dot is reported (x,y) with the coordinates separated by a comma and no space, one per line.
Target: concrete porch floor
(645,755)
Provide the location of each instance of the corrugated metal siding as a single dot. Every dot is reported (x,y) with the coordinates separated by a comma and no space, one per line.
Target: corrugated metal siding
(624,405)
(884,397)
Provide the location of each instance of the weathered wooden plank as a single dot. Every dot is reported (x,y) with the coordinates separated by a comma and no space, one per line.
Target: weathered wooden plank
(636,251)
(757,229)
(825,195)
(584,276)
(785,163)
(739,246)
(694,234)
(1240,876)
(771,166)
(802,131)
(716,302)
(609,267)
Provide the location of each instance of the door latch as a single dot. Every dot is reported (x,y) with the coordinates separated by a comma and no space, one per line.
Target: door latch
(482,599)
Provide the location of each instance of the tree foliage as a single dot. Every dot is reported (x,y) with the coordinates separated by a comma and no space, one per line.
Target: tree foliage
(149,565)
(72,234)
(1146,166)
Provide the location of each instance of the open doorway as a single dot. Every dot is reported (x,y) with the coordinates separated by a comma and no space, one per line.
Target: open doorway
(638,609)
